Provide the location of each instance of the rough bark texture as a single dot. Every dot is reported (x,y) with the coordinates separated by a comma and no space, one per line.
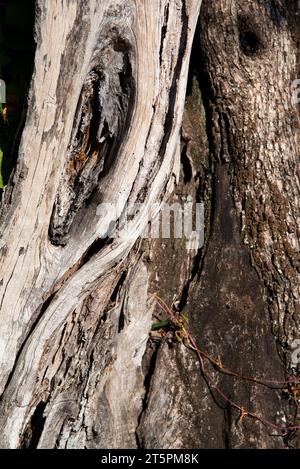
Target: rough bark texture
(78,368)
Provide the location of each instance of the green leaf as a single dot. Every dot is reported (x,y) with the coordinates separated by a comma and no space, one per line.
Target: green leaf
(160,325)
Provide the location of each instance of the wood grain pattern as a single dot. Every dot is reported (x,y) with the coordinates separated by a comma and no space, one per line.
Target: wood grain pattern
(105,111)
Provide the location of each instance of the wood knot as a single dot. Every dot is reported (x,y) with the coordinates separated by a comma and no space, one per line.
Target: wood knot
(251,42)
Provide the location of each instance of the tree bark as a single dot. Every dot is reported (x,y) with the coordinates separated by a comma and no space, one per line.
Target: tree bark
(113,120)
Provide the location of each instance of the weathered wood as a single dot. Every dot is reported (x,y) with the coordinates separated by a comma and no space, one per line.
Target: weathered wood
(77,367)
(105,111)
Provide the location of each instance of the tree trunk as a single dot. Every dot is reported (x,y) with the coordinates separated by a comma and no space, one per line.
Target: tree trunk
(110,122)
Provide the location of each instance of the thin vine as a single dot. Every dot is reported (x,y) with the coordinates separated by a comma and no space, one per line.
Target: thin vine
(181,325)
